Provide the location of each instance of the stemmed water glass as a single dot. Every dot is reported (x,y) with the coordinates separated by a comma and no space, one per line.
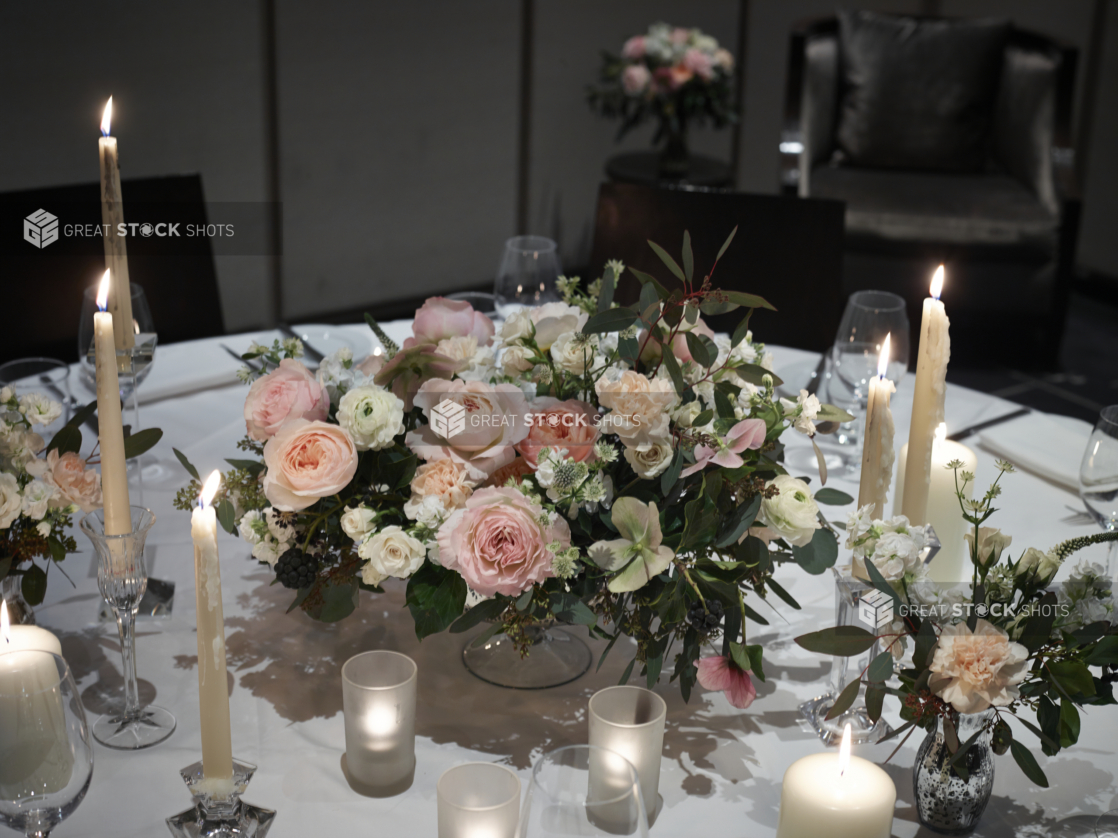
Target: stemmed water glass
(122,580)
(47,758)
(527,274)
(1098,479)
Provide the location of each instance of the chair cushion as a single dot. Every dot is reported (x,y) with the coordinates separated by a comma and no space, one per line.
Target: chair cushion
(918,93)
(929,207)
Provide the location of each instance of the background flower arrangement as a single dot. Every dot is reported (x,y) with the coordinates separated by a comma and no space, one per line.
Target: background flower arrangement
(674,75)
(611,466)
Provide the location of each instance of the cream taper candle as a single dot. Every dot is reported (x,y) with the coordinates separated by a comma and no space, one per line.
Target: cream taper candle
(877,446)
(112,219)
(114,468)
(927,401)
(213,692)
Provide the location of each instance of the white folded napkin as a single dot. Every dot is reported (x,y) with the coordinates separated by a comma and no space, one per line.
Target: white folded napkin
(190,366)
(1049,446)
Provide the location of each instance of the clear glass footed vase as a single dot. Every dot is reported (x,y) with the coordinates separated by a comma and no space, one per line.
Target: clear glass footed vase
(945,801)
(547,655)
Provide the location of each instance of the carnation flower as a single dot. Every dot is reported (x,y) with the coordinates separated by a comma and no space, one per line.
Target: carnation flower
(373,416)
(390,552)
(979,670)
(75,483)
(639,406)
(438,488)
(792,512)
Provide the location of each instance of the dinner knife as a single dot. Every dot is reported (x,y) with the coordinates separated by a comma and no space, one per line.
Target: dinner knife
(817,376)
(233,352)
(308,350)
(989,423)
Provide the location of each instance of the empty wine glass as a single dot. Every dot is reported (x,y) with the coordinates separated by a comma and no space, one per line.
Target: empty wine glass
(132,371)
(46,757)
(1098,478)
(45,376)
(527,274)
(585,791)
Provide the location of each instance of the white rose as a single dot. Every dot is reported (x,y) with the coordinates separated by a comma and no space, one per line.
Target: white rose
(390,552)
(10,501)
(1044,565)
(649,458)
(373,416)
(793,512)
(38,409)
(574,352)
(517,327)
(553,319)
(685,414)
(249,527)
(358,523)
(516,360)
(36,497)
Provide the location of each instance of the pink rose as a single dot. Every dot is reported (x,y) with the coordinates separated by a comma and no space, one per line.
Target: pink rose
(720,673)
(289,392)
(699,63)
(651,351)
(75,483)
(492,422)
(498,544)
(635,79)
(307,461)
(440,318)
(555,424)
(634,48)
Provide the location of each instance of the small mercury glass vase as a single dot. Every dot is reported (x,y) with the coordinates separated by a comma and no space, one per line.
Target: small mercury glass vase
(945,802)
(218,811)
(122,580)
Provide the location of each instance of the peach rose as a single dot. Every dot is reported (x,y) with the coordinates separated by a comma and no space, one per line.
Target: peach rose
(307,461)
(497,543)
(75,483)
(446,480)
(555,424)
(289,392)
(638,407)
(439,318)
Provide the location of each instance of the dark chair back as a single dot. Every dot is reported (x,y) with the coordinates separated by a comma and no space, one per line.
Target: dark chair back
(787,250)
(43,286)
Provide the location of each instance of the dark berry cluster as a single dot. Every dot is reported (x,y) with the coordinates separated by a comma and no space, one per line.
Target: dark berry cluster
(705,619)
(296,569)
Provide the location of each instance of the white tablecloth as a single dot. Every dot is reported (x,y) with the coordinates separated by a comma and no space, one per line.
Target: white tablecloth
(722,767)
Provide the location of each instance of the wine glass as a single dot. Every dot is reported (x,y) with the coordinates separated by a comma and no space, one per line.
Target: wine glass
(1098,478)
(46,759)
(527,274)
(1107,825)
(132,371)
(585,791)
(45,376)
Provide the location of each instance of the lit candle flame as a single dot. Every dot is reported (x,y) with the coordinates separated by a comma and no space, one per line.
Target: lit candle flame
(103,290)
(209,489)
(941,433)
(883,357)
(107,117)
(5,626)
(937,282)
(844,750)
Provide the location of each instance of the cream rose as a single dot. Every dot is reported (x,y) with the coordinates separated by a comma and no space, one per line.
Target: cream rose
(974,672)
(792,513)
(358,522)
(574,352)
(516,359)
(639,407)
(306,461)
(11,504)
(517,327)
(373,416)
(390,552)
(649,459)
(444,480)
(553,319)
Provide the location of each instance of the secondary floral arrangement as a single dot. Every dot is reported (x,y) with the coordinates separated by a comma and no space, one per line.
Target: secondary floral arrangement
(673,75)
(43,484)
(1010,645)
(611,466)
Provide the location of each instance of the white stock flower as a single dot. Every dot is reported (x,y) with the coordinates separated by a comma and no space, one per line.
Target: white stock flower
(358,522)
(337,374)
(268,550)
(649,459)
(390,552)
(36,498)
(803,410)
(10,501)
(253,527)
(792,513)
(38,409)
(373,416)
(574,352)
(429,510)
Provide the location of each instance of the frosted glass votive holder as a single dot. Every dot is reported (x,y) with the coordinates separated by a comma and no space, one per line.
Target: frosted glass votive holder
(478,800)
(378,701)
(630,721)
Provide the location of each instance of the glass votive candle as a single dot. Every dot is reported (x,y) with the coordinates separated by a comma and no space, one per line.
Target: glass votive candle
(378,701)
(629,721)
(478,800)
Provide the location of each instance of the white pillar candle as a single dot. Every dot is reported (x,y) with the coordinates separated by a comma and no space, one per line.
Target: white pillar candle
(112,219)
(213,691)
(877,447)
(25,638)
(927,401)
(952,563)
(836,796)
(114,468)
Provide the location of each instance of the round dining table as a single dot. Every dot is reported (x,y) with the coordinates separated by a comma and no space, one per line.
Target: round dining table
(722,767)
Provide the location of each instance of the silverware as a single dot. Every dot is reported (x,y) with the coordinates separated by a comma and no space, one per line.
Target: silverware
(234,353)
(989,423)
(817,376)
(308,350)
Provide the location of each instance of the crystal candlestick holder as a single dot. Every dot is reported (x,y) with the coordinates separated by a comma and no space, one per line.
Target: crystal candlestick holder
(218,811)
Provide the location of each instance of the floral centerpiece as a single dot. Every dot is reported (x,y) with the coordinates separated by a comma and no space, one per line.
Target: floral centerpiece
(611,466)
(1005,647)
(676,76)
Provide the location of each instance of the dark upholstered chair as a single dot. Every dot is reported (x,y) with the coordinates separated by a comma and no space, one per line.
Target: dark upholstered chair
(1005,228)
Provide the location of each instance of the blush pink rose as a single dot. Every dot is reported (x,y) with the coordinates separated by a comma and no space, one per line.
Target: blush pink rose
(698,62)
(75,483)
(372,364)
(440,318)
(288,392)
(719,673)
(307,461)
(498,544)
(634,48)
(555,424)
(635,79)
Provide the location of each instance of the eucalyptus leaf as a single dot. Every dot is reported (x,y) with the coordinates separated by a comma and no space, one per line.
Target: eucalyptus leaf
(833,497)
(186,464)
(666,258)
(688,256)
(610,320)
(726,243)
(141,442)
(609,285)
(1028,764)
(845,699)
(841,641)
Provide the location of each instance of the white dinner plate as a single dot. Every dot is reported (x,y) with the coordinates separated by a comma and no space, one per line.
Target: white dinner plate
(328,339)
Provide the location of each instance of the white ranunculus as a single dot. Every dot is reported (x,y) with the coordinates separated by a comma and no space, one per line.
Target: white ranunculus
(574,352)
(36,498)
(390,552)
(649,459)
(516,359)
(373,416)
(792,513)
(517,327)
(358,523)
(10,501)
(38,409)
